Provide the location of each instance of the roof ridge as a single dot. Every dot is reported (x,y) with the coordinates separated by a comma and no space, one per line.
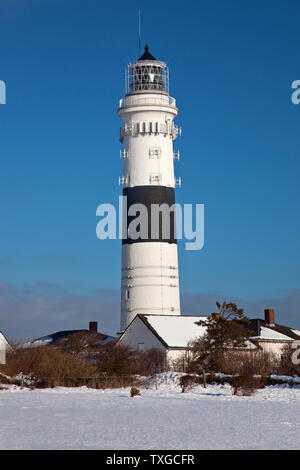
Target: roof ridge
(174,316)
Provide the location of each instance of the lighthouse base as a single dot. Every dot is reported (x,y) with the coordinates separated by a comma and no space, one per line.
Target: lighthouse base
(150,283)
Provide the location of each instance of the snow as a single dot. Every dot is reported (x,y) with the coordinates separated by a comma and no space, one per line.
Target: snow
(286,378)
(49,339)
(250,345)
(212,418)
(268,333)
(297,332)
(179,330)
(37,343)
(176,330)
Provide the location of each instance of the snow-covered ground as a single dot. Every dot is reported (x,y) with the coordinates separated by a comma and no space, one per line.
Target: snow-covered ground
(212,418)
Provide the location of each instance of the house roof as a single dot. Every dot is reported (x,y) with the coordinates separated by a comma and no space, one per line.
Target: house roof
(265,332)
(174,331)
(177,331)
(3,339)
(54,338)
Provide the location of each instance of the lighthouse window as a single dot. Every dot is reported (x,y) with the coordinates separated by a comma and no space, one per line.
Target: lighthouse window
(154,152)
(127,294)
(155,178)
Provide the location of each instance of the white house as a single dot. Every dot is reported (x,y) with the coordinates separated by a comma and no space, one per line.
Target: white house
(169,333)
(4,346)
(270,336)
(173,334)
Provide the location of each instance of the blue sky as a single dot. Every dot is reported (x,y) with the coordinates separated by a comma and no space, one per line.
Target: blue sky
(231,68)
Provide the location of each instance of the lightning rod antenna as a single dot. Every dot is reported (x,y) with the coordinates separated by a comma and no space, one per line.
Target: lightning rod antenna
(139,33)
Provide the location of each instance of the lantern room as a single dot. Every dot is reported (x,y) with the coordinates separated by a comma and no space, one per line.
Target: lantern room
(147,74)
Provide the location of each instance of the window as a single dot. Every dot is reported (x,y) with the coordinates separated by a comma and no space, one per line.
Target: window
(154,152)
(127,294)
(141,346)
(154,178)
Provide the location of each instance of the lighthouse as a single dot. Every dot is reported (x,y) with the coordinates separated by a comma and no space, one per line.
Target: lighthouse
(149,280)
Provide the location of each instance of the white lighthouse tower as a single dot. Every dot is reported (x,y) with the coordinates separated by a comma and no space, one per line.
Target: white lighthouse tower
(150,282)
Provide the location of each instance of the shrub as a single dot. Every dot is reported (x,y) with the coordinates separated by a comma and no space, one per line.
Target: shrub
(75,343)
(118,381)
(49,367)
(115,360)
(185,362)
(152,361)
(4,379)
(246,385)
(187,382)
(249,363)
(75,364)
(134,392)
(243,362)
(286,366)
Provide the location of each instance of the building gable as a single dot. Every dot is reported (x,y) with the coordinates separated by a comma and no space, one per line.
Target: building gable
(139,332)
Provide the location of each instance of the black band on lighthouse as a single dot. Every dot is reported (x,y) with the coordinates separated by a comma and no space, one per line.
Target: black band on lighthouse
(151,196)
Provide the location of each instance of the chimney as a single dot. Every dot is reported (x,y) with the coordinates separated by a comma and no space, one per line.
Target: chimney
(215,316)
(93,327)
(269,316)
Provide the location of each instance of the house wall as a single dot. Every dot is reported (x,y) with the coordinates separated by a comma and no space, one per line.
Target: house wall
(137,333)
(175,354)
(3,348)
(273,347)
